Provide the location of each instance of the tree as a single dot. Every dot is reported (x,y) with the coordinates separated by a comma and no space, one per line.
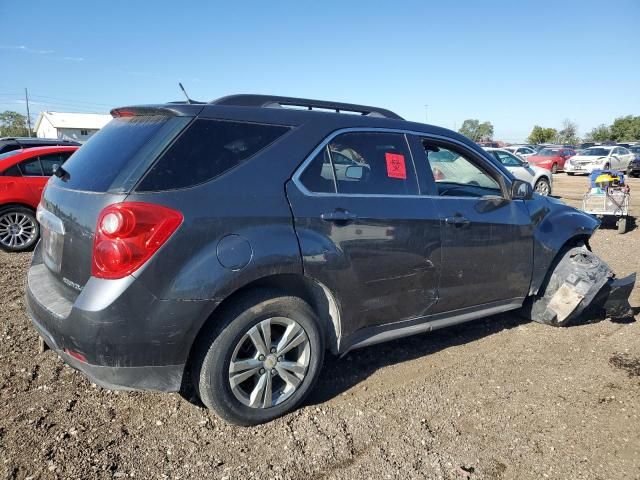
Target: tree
(568,134)
(542,135)
(601,133)
(625,128)
(476,131)
(13,124)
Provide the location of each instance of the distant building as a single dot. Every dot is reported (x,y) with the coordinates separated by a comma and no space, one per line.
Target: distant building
(70,126)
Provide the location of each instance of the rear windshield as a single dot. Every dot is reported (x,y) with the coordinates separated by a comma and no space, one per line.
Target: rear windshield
(96,165)
(549,152)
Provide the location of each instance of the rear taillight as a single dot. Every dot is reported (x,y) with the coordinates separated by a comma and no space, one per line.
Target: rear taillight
(128,234)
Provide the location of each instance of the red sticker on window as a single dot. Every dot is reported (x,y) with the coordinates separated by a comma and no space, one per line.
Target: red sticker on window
(395,166)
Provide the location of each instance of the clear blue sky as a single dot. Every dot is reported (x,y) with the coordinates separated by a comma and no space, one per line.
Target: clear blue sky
(514,63)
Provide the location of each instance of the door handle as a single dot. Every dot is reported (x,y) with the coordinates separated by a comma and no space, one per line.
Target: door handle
(457,221)
(340,216)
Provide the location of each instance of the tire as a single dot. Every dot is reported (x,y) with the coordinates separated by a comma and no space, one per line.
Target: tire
(571,174)
(606,166)
(246,402)
(19,229)
(543,187)
(554,168)
(622,225)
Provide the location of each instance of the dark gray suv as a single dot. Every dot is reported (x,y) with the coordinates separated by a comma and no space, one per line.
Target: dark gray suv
(228,245)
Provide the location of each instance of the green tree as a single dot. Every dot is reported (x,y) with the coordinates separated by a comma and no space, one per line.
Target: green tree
(568,134)
(626,128)
(13,124)
(601,133)
(475,130)
(542,135)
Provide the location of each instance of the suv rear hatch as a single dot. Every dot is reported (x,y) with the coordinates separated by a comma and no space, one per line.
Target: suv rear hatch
(100,173)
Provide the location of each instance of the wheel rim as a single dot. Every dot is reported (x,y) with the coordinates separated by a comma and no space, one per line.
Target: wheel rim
(269,363)
(17,230)
(542,187)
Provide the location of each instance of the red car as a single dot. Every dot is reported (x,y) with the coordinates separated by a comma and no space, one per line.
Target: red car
(551,158)
(23,175)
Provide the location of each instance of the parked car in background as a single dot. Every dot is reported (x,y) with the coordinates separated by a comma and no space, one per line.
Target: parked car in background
(7,144)
(540,178)
(600,158)
(551,158)
(523,151)
(584,145)
(23,175)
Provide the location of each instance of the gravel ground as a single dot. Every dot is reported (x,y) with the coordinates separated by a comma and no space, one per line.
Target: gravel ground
(496,398)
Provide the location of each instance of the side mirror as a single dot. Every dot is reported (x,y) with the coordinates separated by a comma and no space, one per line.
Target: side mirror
(354,172)
(521,190)
(525,163)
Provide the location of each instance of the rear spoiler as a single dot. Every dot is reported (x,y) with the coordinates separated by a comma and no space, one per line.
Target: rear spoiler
(170,110)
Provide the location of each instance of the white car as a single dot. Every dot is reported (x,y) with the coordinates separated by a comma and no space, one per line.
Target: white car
(599,158)
(540,178)
(521,151)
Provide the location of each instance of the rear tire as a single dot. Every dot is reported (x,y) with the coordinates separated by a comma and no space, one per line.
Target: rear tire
(243,370)
(554,168)
(19,229)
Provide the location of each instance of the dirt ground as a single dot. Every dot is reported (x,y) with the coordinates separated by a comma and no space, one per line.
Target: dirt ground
(495,398)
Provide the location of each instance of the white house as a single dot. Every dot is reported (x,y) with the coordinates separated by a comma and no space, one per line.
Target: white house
(70,126)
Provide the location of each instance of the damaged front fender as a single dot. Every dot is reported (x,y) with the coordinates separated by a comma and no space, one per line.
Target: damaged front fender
(579,280)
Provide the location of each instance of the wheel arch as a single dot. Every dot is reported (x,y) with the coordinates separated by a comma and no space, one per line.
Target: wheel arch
(318,296)
(17,204)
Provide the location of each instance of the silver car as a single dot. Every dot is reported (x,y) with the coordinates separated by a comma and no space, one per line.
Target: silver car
(540,179)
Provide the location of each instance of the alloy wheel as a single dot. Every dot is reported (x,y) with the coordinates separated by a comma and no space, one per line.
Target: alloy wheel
(269,362)
(17,230)
(542,187)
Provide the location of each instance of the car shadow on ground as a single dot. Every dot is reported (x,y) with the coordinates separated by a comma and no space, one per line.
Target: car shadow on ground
(339,374)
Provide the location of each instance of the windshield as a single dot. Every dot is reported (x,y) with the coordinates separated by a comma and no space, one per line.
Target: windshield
(549,152)
(596,152)
(10,154)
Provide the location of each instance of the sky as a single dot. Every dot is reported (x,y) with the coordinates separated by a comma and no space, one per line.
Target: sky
(513,63)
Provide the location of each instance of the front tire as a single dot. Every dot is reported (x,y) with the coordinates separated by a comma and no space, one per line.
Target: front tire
(263,361)
(543,187)
(571,174)
(19,229)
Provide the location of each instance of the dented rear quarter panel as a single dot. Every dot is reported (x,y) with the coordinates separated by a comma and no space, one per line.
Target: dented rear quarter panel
(555,224)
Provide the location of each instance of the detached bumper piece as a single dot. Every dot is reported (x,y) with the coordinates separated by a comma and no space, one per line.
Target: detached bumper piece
(581,284)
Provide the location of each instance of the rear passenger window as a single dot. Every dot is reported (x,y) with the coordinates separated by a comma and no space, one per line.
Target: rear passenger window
(207,149)
(31,168)
(373,163)
(12,172)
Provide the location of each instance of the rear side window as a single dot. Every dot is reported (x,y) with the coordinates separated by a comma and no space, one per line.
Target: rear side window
(373,164)
(13,171)
(207,149)
(318,176)
(96,165)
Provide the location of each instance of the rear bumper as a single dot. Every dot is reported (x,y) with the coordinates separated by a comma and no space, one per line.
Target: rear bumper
(129,338)
(586,169)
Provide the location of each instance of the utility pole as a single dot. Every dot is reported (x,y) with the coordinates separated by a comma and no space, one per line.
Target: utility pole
(26,96)
(426,114)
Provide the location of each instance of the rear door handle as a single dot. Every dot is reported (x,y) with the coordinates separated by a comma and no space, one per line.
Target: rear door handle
(339,216)
(457,221)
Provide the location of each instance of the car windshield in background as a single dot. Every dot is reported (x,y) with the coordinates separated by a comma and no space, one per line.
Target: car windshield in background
(596,152)
(549,152)
(633,149)
(9,154)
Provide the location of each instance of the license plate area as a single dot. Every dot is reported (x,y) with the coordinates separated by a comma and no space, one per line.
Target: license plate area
(52,237)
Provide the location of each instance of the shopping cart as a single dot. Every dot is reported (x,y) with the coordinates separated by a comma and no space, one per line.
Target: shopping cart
(608,197)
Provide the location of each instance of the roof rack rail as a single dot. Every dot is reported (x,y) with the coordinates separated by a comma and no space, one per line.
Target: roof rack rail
(272,101)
